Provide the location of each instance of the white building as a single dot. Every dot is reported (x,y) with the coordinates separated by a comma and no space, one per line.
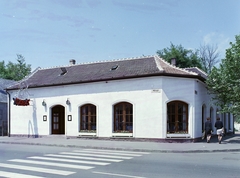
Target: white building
(140,98)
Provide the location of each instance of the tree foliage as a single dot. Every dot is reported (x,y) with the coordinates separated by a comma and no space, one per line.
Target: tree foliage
(224,82)
(15,71)
(184,57)
(209,56)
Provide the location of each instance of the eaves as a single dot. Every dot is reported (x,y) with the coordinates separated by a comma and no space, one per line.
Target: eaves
(118,78)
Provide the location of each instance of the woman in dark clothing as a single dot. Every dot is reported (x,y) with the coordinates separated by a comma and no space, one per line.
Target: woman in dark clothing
(208,129)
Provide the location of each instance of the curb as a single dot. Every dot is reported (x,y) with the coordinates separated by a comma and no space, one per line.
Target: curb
(127,149)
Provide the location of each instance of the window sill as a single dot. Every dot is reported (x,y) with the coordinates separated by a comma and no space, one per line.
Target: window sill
(122,134)
(87,134)
(87,131)
(178,136)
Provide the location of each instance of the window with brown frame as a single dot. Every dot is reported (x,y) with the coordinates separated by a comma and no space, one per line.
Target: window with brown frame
(1,114)
(123,117)
(88,118)
(177,117)
(211,113)
(203,116)
(229,122)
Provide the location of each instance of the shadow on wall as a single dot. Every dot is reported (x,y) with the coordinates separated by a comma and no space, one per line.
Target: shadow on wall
(30,128)
(33,127)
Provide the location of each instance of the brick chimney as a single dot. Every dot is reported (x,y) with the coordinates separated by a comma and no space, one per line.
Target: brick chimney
(173,61)
(72,62)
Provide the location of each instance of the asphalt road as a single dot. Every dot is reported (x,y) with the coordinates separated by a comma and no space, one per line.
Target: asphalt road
(47,161)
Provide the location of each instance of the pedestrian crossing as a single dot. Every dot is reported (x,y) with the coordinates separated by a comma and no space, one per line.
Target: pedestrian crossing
(63,163)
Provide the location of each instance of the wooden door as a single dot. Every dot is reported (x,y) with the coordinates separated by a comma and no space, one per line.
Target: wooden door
(58,120)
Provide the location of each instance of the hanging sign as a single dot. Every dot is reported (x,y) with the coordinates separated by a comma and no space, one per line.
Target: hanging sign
(20,102)
(22,93)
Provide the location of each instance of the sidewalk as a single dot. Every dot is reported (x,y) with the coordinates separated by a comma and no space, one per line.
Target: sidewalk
(229,143)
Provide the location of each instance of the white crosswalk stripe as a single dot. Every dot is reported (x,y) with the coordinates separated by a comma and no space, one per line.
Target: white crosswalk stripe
(103,156)
(74,160)
(118,151)
(69,160)
(14,175)
(86,158)
(37,169)
(51,164)
(106,153)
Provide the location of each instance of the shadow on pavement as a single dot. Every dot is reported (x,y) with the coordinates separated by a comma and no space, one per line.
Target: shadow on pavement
(227,139)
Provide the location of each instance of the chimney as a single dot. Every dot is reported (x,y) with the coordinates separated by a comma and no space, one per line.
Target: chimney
(72,62)
(173,61)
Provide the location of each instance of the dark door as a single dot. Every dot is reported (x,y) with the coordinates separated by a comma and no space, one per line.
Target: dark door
(58,120)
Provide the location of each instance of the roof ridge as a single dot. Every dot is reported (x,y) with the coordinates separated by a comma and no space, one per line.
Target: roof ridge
(198,69)
(97,62)
(158,63)
(24,80)
(182,69)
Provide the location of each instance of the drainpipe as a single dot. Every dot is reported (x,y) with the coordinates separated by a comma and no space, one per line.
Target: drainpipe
(9,113)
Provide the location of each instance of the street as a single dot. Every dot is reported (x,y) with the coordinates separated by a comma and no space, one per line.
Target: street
(33,161)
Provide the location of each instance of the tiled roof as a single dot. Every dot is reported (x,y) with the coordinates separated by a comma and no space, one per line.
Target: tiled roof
(4,83)
(103,71)
(198,71)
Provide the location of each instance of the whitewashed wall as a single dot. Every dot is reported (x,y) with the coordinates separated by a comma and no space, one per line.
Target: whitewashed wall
(148,96)
(181,89)
(201,98)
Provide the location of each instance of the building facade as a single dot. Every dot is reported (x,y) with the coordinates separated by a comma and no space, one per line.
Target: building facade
(139,98)
(4,106)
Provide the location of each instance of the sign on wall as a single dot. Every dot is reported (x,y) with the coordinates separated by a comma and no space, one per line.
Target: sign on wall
(20,102)
(21,98)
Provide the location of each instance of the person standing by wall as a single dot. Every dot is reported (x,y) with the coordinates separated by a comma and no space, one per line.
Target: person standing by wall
(220,129)
(208,129)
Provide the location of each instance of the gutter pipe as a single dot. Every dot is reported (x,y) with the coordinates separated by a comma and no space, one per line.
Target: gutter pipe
(9,114)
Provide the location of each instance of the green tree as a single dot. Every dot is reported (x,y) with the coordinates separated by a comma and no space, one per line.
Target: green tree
(2,70)
(224,82)
(14,71)
(184,57)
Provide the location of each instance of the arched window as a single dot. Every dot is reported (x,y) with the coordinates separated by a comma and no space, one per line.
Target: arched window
(211,113)
(177,117)
(203,115)
(229,121)
(88,118)
(217,113)
(123,117)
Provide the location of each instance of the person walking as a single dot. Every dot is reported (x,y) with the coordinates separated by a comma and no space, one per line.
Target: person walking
(208,129)
(220,129)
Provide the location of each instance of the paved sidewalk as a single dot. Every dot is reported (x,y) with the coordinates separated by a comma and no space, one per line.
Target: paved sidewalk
(229,143)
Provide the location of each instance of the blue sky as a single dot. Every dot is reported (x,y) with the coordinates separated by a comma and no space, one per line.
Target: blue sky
(49,33)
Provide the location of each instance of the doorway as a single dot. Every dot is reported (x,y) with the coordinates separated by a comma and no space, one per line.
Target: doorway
(58,120)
